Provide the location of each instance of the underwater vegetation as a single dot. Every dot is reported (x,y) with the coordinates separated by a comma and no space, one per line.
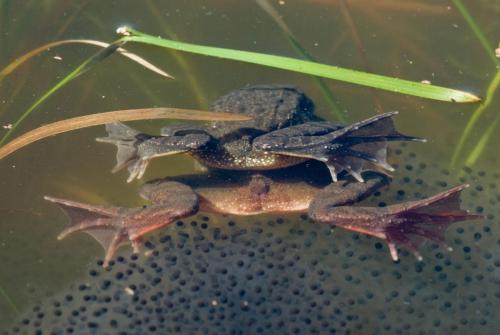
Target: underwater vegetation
(396,85)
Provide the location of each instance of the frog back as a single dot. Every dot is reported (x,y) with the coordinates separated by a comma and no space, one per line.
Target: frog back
(271,106)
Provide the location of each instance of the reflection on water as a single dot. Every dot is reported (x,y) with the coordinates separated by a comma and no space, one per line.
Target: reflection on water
(429,41)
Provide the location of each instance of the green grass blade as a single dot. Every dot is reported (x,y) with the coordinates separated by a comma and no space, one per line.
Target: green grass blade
(8,300)
(324,89)
(188,72)
(84,67)
(487,46)
(474,155)
(481,144)
(321,70)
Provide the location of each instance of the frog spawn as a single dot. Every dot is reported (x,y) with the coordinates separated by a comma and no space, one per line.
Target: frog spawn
(218,276)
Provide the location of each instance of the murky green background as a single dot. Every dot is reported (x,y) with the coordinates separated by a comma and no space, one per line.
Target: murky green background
(417,40)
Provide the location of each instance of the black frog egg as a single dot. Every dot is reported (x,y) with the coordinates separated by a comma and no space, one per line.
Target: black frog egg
(289,275)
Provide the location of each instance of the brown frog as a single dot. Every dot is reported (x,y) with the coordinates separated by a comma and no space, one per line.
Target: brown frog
(268,165)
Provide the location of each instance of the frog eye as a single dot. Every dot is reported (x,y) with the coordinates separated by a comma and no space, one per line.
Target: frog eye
(262,146)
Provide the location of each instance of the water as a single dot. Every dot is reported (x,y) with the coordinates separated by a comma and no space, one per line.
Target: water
(428,42)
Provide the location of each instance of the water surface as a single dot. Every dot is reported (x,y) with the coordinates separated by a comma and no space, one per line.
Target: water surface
(421,40)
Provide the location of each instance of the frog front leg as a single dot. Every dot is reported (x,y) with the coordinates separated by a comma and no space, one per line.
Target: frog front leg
(115,226)
(339,147)
(135,149)
(407,224)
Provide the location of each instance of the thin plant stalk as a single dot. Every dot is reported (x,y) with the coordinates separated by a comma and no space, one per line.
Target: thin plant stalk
(135,78)
(80,6)
(481,144)
(344,9)
(485,137)
(401,39)
(27,56)
(477,31)
(398,6)
(297,46)
(84,67)
(9,300)
(302,66)
(188,72)
(464,137)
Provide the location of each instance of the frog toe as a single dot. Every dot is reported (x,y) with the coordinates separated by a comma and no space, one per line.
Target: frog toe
(138,168)
(126,140)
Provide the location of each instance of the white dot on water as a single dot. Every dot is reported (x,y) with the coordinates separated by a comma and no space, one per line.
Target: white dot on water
(129,291)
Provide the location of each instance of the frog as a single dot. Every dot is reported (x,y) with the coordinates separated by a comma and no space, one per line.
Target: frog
(272,164)
(284,131)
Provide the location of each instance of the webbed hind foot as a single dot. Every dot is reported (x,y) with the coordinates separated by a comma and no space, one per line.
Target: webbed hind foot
(113,227)
(427,219)
(407,224)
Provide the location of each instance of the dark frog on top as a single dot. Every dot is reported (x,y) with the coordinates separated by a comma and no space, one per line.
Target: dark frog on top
(284,132)
(267,165)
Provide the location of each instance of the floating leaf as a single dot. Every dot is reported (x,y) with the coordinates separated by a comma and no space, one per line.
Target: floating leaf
(108,117)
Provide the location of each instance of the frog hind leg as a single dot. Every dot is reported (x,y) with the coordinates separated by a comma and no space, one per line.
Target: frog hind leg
(97,221)
(425,219)
(113,227)
(407,224)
